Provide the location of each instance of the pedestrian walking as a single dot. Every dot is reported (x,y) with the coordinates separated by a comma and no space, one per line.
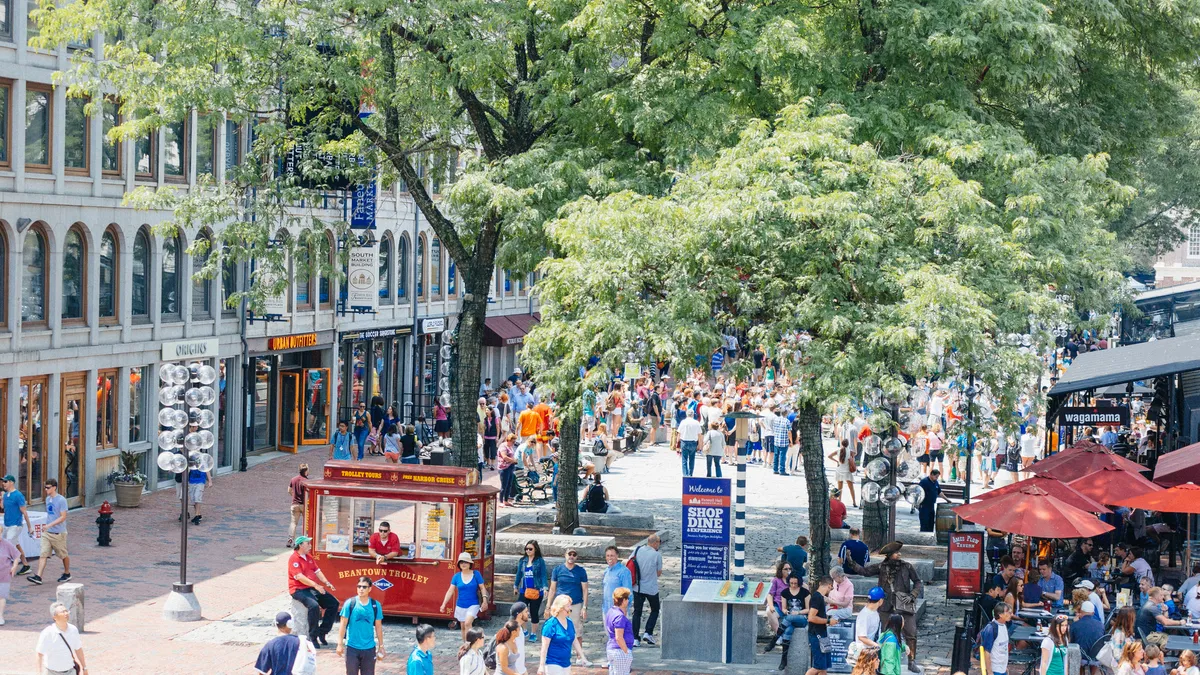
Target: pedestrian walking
(714,449)
(308,585)
(843,458)
(891,650)
(558,636)
(506,459)
(620,633)
(470,661)
(649,563)
(420,661)
(818,623)
(993,642)
(689,433)
(59,647)
(360,637)
(902,586)
(197,481)
(570,579)
(10,563)
(932,490)
(468,592)
(531,580)
(54,536)
(362,428)
(278,656)
(510,650)
(16,514)
(339,445)
(296,492)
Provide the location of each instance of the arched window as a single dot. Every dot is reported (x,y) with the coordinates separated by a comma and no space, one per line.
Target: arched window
(140,297)
(385,270)
(108,275)
(74,275)
(201,288)
(435,269)
(402,270)
(451,280)
(323,287)
(301,265)
(169,307)
(229,284)
(421,267)
(509,278)
(33,276)
(3,277)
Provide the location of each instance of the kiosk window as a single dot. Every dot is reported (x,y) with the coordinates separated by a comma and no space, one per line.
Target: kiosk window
(345,525)
(435,524)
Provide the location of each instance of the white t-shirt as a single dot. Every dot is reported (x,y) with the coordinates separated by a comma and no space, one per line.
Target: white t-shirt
(1095,600)
(866,624)
(690,429)
(998,657)
(1029,445)
(55,654)
(1141,569)
(520,667)
(767,424)
(1193,602)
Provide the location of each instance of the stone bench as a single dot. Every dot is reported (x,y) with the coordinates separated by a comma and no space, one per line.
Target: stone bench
(627,521)
(589,547)
(764,628)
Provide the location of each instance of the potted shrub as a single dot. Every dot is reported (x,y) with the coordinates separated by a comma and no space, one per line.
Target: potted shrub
(128,481)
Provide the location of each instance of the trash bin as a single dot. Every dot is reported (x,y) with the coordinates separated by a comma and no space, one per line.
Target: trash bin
(946,522)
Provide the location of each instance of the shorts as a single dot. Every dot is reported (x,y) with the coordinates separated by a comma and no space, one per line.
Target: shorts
(55,542)
(463,613)
(552,669)
(196,492)
(618,412)
(441,426)
(576,620)
(4,591)
(392,456)
(937,456)
(12,533)
(820,661)
(589,422)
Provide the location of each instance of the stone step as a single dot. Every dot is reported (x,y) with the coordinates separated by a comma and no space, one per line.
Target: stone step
(589,547)
(909,538)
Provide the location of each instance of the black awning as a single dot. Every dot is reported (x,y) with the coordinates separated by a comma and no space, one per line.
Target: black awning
(1129,364)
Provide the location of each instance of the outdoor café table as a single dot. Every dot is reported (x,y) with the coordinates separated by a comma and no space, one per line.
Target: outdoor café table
(1186,627)
(1034,614)
(1178,643)
(1023,633)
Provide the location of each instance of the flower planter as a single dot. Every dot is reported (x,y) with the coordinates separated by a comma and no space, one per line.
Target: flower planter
(129,495)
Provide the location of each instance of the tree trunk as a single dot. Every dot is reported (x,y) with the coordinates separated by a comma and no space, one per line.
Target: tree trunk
(875,522)
(467,365)
(813,452)
(568,471)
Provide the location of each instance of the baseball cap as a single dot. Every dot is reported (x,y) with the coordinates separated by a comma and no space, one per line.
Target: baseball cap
(875,594)
(282,618)
(9,479)
(1087,607)
(516,609)
(300,540)
(1085,583)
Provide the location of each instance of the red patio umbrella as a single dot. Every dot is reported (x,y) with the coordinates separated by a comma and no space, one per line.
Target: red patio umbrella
(1178,466)
(1055,488)
(1183,498)
(1111,484)
(1080,460)
(1033,512)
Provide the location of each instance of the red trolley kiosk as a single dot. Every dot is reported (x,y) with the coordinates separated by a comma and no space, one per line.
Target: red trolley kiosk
(436,511)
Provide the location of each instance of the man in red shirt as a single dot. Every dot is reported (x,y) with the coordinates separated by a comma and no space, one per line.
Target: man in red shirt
(307,585)
(384,544)
(296,491)
(837,511)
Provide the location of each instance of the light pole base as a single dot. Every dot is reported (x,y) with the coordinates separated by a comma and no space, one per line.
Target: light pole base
(181,604)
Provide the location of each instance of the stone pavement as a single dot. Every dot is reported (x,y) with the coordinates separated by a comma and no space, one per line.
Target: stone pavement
(237,564)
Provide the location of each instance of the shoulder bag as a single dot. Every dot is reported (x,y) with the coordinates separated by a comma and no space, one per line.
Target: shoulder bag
(74,663)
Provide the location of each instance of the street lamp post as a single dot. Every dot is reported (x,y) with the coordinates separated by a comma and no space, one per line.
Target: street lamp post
(971,392)
(184,441)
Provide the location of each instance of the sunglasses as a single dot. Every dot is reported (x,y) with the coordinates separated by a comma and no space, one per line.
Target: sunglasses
(364,585)
(528,548)
(571,554)
(384,530)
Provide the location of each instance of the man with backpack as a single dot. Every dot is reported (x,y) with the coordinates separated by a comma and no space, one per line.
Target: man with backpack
(360,637)
(992,642)
(645,566)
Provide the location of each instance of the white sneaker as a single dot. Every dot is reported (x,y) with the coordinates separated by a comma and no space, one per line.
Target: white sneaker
(584,662)
(648,639)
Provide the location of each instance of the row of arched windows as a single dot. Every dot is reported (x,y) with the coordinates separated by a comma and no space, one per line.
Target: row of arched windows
(439,278)
(78,289)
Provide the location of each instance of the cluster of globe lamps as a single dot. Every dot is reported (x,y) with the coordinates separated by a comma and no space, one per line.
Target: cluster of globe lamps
(186,423)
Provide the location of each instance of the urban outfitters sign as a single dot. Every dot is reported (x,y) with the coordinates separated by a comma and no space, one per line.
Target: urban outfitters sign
(705,529)
(362,280)
(190,349)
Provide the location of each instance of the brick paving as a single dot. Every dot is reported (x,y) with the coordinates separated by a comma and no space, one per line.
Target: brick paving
(247,513)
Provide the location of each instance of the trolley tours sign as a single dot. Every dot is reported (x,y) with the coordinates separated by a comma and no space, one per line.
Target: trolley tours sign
(705,529)
(411,474)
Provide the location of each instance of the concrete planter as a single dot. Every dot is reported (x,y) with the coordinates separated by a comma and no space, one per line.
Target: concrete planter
(129,495)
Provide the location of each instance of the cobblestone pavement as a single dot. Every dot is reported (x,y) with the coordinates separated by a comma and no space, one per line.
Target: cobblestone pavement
(237,564)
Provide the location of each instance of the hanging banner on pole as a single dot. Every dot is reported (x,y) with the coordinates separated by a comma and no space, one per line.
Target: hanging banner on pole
(362,278)
(706,529)
(362,206)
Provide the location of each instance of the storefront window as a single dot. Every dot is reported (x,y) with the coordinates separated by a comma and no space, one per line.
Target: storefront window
(316,404)
(32,439)
(377,365)
(358,375)
(137,403)
(74,389)
(345,525)
(224,447)
(263,418)
(106,409)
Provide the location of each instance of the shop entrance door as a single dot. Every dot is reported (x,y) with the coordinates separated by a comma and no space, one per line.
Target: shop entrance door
(70,451)
(289,410)
(316,406)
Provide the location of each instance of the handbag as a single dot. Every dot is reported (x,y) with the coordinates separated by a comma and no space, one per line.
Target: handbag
(905,603)
(74,663)
(532,594)
(852,651)
(824,644)
(1107,656)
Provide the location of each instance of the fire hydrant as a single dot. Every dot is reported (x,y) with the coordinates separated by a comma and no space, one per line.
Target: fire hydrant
(105,521)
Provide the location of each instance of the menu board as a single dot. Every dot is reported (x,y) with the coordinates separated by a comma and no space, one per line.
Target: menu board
(840,637)
(471,519)
(490,530)
(435,521)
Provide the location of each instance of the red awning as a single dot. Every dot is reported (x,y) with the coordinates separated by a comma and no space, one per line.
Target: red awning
(525,322)
(498,331)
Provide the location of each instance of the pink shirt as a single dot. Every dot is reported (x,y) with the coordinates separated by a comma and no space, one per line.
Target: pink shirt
(841,595)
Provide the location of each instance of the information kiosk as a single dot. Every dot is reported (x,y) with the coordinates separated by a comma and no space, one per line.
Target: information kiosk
(436,511)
